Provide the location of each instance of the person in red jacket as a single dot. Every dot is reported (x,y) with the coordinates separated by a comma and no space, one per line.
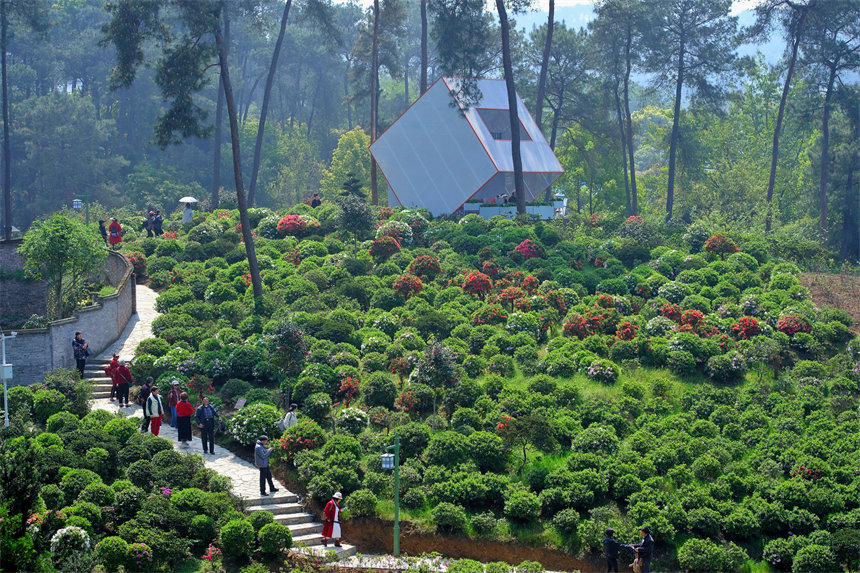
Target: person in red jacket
(114,233)
(184,411)
(123,379)
(110,370)
(331,527)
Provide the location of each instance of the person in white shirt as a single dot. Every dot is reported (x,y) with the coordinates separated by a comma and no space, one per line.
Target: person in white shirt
(187,213)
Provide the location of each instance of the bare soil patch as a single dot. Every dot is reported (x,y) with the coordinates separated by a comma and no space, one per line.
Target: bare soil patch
(836,290)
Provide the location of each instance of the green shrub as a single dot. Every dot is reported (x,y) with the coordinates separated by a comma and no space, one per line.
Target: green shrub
(466,566)
(530,567)
(20,400)
(362,503)
(449,517)
(498,567)
(99,494)
(522,506)
(485,523)
(237,538)
(122,428)
(203,530)
(318,406)
(446,449)
(74,482)
(379,390)
(487,451)
(274,538)
(155,346)
(260,518)
(814,558)
(255,420)
(62,422)
(46,403)
(566,521)
(111,552)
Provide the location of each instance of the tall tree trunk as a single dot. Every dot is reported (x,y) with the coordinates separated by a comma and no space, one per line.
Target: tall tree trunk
(219,121)
(314,102)
(673,146)
(423,46)
(248,239)
(267,93)
(7,146)
(825,151)
(544,65)
(628,61)
(780,114)
(554,131)
(623,148)
(346,98)
(513,112)
(374,99)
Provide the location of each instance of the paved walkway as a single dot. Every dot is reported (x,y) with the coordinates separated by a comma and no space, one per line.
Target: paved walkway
(138,328)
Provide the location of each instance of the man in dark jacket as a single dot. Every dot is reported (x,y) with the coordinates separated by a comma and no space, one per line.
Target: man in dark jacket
(123,383)
(103,231)
(206,416)
(610,550)
(142,396)
(645,549)
(157,223)
(81,350)
(261,460)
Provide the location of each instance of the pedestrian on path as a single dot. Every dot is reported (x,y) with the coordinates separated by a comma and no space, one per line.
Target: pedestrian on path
(173,400)
(290,420)
(123,383)
(142,397)
(110,372)
(645,549)
(331,527)
(610,550)
(157,223)
(115,232)
(154,410)
(149,224)
(81,350)
(206,416)
(184,411)
(261,460)
(103,231)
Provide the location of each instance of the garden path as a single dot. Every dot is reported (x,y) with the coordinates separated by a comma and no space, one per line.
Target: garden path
(244,475)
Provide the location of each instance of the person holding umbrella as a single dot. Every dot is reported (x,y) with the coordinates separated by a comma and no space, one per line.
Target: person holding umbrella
(187,212)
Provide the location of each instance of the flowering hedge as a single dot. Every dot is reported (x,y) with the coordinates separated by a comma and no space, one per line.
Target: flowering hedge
(303,436)
(425,266)
(407,285)
(530,250)
(254,421)
(791,324)
(384,247)
(477,283)
(721,245)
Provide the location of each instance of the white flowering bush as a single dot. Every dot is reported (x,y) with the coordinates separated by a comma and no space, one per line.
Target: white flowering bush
(397,229)
(255,420)
(352,420)
(673,291)
(659,326)
(68,541)
(524,322)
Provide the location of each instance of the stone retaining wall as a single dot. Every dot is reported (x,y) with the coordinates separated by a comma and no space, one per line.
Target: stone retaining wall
(36,352)
(18,298)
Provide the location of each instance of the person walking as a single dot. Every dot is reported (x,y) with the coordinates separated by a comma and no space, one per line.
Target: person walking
(187,213)
(206,416)
(157,222)
(610,550)
(261,460)
(149,223)
(290,420)
(645,549)
(103,231)
(110,372)
(115,233)
(81,350)
(331,527)
(184,411)
(123,383)
(142,396)
(172,400)
(154,410)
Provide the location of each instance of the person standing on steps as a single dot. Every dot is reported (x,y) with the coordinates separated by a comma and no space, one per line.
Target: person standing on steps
(81,350)
(142,396)
(261,460)
(331,527)
(115,232)
(110,372)
(184,411)
(206,416)
(154,410)
(172,400)
(123,383)
(610,550)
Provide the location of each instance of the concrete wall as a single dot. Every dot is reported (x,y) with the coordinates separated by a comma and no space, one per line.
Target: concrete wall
(36,352)
(18,298)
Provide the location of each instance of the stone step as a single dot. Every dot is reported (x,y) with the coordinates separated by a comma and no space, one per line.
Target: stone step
(307,528)
(324,552)
(97,361)
(101,393)
(277,508)
(280,497)
(309,540)
(293,519)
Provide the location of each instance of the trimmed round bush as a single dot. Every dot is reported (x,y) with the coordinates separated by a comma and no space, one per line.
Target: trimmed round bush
(814,558)
(379,390)
(68,542)
(362,503)
(414,499)
(62,422)
(485,523)
(111,552)
(566,521)
(260,518)
(237,537)
(449,517)
(317,406)
(466,566)
(46,403)
(487,451)
(274,538)
(447,449)
(522,506)
(255,420)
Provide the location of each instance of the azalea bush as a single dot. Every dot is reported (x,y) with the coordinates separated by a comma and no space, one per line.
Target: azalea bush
(383,247)
(303,436)
(254,421)
(407,285)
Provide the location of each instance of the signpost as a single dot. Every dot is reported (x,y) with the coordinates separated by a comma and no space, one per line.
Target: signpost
(6,374)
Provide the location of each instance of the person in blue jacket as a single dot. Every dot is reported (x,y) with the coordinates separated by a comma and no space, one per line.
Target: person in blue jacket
(261,460)
(645,549)
(610,550)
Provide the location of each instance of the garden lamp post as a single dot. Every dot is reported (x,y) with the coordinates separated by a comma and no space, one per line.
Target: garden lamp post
(77,204)
(6,374)
(392,462)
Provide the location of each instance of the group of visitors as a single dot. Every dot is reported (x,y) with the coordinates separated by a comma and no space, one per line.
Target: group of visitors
(643,551)
(152,224)
(112,235)
(181,411)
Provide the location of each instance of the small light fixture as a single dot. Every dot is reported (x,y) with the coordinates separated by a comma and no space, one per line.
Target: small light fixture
(77,204)
(388,461)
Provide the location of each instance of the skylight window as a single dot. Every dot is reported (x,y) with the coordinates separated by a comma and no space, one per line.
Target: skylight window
(498,122)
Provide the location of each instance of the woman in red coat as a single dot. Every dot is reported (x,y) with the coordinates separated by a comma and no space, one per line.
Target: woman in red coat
(184,411)
(331,527)
(114,233)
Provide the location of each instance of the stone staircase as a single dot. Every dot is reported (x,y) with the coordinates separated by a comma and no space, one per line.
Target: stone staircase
(95,373)
(307,538)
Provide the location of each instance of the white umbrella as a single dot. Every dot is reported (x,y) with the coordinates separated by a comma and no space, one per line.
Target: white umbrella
(188,200)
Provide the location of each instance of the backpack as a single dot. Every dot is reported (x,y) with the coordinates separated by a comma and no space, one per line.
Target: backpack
(108,371)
